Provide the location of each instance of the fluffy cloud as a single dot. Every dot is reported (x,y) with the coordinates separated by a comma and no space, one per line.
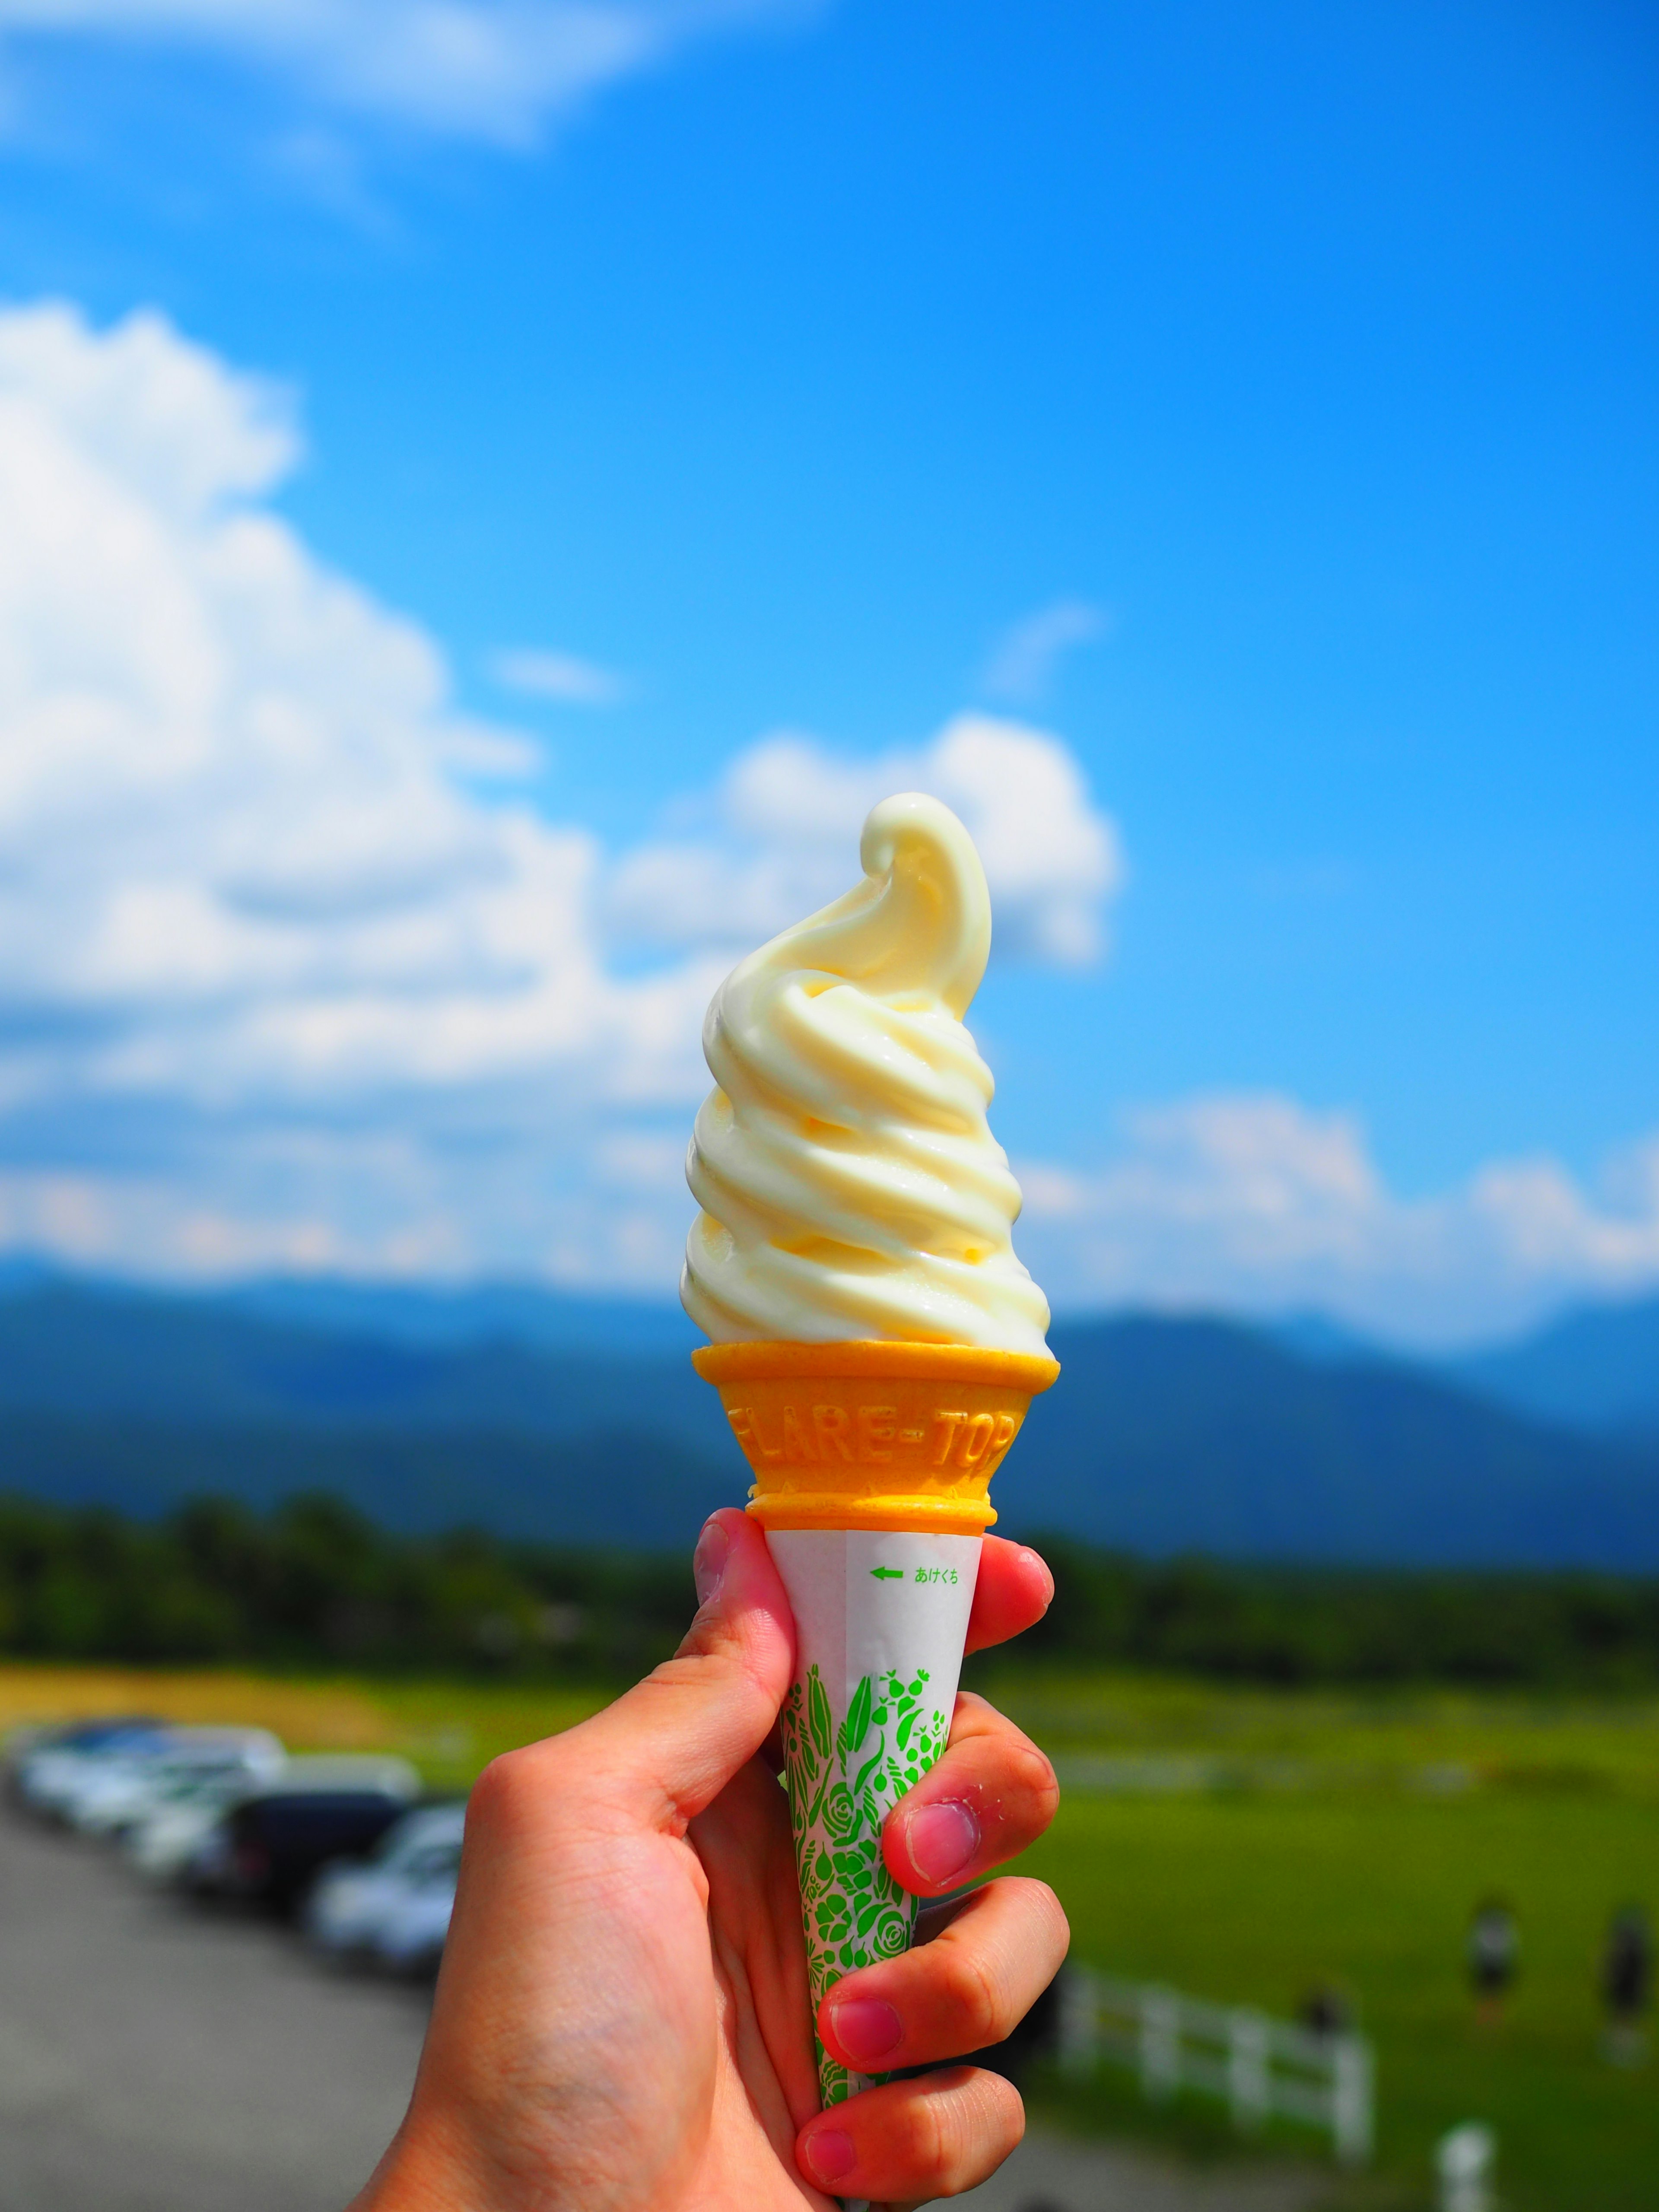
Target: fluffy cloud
(787,814)
(494,70)
(235,860)
(276,985)
(280,981)
(286,981)
(1256,1203)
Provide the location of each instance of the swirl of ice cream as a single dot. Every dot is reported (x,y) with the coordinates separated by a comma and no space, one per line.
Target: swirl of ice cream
(850,1185)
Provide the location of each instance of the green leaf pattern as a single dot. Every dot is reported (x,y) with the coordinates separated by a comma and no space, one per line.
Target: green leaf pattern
(842,1782)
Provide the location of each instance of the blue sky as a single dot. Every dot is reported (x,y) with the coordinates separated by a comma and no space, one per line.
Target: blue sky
(1256,403)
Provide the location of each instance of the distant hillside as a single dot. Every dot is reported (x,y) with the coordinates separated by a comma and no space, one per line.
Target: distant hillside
(1598,1369)
(1165,1436)
(640,1492)
(81,1348)
(520,1313)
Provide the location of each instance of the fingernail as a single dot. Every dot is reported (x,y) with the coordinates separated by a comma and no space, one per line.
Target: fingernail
(865,2028)
(709,1561)
(830,2154)
(942,1839)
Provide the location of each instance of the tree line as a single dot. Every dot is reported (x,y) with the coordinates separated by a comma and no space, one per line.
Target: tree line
(315,1584)
(1326,1624)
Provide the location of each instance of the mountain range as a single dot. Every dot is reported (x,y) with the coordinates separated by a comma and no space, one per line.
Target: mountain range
(546,1416)
(1596,1369)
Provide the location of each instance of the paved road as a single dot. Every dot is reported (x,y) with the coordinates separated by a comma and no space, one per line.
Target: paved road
(157,2059)
(153,2059)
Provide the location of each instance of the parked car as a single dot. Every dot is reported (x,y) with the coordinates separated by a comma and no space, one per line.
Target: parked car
(350,1899)
(118,1791)
(166,1843)
(163,1841)
(56,1765)
(267,1849)
(414,1923)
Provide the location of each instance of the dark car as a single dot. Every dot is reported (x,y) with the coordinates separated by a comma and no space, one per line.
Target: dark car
(268,1848)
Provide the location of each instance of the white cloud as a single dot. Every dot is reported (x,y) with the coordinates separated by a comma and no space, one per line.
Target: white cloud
(1023,666)
(1256,1203)
(559,677)
(240,874)
(492,70)
(788,811)
(282,985)
(278,981)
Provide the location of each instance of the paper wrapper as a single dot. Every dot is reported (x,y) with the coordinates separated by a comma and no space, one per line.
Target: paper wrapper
(872,1466)
(881,1617)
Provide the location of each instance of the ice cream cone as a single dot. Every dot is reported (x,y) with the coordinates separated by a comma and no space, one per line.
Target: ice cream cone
(873,1435)
(872,1464)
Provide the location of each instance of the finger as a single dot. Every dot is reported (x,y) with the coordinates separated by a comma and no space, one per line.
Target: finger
(992,1793)
(670,1745)
(968,1988)
(912,2140)
(1013,1592)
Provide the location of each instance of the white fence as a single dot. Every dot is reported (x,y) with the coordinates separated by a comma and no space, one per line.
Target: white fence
(1260,2067)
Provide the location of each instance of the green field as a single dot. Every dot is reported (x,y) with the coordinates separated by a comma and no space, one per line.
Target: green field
(1243,1845)
(1251,1846)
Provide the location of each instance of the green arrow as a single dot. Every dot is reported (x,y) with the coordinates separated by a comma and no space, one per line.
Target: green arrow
(888,1574)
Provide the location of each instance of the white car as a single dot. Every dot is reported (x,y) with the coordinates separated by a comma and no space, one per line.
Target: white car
(163,1841)
(56,1766)
(180,1832)
(354,1900)
(340,1786)
(225,1762)
(409,1938)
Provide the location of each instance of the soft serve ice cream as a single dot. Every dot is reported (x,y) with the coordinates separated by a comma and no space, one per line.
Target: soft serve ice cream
(851,1188)
(875,1343)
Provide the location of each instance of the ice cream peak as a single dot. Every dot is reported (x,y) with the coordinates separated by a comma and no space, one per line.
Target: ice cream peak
(850,1185)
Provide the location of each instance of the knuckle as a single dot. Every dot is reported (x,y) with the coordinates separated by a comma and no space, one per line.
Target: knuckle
(1059,1918)
(1033,1774)
(1002,2114)
(922,2145)
(507,1788)
(974,1995)
(493,1793)
(1050,1928)
(959,2129)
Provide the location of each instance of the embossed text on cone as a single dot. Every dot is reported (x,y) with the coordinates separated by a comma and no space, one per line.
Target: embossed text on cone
(872,1464)
(871,1435)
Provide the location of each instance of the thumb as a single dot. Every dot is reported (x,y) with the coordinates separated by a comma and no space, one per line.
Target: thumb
(675,1741)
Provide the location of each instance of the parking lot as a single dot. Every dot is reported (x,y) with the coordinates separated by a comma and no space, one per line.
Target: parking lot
(156,2056)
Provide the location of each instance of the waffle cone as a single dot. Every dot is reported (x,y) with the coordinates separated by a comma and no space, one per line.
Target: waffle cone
(873,1435)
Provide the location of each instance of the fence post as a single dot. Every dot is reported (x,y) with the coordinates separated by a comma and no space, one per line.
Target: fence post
(1247,2068)
(1353,2095)
(1464,2163)
(1079,2016)
(1160,2044)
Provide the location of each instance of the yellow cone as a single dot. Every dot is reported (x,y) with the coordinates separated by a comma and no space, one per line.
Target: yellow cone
(873,1435)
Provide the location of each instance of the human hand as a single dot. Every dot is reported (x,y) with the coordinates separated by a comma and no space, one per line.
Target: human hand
(622,2020)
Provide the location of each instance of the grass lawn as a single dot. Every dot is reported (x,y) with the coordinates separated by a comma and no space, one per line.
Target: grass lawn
(1244,1845)
(1256,1900)
(1296,1839)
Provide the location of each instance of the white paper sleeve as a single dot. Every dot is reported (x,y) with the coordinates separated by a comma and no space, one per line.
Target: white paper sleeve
(881,1619)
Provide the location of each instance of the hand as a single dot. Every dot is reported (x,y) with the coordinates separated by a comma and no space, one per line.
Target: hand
(621,2023)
